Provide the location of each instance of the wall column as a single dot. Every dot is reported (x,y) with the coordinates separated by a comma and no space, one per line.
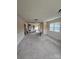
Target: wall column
(45,27)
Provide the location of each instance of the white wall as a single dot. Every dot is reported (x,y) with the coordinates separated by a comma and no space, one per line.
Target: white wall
(55,35)
(20,29)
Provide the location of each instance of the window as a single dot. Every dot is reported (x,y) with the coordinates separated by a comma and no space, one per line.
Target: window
(55,27)
(51,27)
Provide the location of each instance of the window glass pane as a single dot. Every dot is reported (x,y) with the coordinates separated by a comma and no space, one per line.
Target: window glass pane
(57,27)
(51,26)
(57,24)
(51,29)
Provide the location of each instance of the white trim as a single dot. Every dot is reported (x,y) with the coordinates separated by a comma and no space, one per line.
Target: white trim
(52,19)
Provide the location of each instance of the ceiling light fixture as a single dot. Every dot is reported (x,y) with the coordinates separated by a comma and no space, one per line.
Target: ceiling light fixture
(36,20)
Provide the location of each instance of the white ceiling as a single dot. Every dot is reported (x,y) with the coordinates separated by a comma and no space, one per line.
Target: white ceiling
(38,9)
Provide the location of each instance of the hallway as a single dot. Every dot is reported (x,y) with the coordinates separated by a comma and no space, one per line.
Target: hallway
(34,46)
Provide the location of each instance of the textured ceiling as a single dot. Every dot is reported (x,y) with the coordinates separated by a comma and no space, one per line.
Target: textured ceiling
(38,9)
